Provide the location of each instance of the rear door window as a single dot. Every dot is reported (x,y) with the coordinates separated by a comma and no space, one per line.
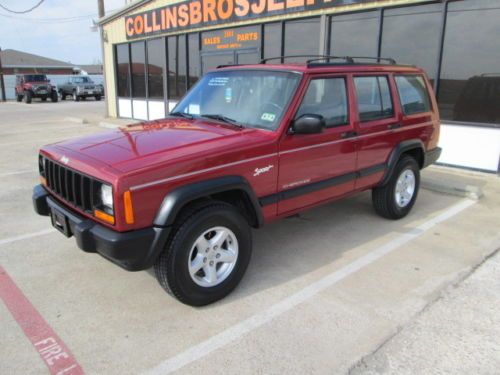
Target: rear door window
(326,97)
(413,94)
(374,98)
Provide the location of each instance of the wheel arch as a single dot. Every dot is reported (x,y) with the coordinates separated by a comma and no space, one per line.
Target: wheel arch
(231,189)
(412,147)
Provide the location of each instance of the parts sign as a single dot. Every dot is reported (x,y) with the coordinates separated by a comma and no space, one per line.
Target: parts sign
(199,13)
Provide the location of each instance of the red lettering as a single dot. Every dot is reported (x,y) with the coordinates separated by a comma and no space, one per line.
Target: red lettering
(156,25)
(258,7)
(294,3)
(163,19)
(225,9)
(183,15)
(273,5)
(209,11)
(171,16)
(139,25)
(147,26)
(195,12)
(129,26)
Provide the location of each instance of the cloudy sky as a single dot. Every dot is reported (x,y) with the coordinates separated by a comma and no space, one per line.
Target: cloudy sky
(58,29)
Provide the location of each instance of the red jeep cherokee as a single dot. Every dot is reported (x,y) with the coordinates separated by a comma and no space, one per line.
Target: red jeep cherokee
(247,145)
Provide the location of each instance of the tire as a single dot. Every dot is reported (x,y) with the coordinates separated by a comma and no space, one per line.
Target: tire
(43,98)
(76,98)
(54,97)
(394,201)
(63,95)
(19,98)
(172,268)
(98,98)
(28,97)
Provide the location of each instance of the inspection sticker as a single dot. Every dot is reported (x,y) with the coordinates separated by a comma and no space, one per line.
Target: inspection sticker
(268,117)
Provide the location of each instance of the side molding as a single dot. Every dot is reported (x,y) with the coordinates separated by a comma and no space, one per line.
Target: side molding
(178,198)
(410,144)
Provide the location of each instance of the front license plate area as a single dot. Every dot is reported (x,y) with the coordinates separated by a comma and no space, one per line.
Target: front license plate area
(60,222)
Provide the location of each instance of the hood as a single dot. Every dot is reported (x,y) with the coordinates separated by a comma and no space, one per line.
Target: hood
(149,143)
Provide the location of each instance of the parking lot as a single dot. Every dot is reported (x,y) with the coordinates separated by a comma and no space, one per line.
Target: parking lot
(330,291)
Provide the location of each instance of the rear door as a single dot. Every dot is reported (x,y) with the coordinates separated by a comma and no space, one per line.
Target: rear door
(319,167)
(377,122)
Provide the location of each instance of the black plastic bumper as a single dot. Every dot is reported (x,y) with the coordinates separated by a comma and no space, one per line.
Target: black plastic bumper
(431,156)
(134,251)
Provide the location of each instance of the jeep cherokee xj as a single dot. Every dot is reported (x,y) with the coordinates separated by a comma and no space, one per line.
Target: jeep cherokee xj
(245,146)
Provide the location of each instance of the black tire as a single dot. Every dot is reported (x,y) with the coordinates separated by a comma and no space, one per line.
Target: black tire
(98,98)
(28,97)
(76,98)
(63,95)
(384,197)
(19,98)
(171,267)
(54,97)
(43,98)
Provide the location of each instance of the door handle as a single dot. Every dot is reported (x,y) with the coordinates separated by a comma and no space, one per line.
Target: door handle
(349,134)
(394,126)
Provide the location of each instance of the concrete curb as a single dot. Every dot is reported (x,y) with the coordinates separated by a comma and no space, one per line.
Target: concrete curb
(78,120)
(109,125)
(444,182)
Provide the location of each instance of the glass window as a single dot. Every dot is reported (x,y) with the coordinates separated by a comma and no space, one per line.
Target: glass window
(251,98)
(272,40)
(302,38)
(138,57)
(374,98)
(354,34)
(122,70)
(328,98)
(156,61)
(469,88)
(172,67)
(410,35)
(413,94)
(194,58)
(181,67)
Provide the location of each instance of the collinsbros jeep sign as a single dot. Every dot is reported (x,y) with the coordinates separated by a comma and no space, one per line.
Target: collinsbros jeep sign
(200,13)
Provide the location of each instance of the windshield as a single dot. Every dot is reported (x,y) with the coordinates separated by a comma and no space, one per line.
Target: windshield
(35,78)
(82,80)
(249,98)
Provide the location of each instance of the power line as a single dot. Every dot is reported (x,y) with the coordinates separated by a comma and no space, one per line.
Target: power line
(22,11)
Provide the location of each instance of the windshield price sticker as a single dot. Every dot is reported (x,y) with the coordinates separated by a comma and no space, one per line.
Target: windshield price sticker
(218,81)
(268,117)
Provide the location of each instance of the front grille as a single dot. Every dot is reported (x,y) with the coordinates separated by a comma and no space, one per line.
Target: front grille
(74,187)
(41,88)
(89,87)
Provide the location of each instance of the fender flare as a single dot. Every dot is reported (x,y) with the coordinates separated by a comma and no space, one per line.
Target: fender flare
(401,148)
(175,200)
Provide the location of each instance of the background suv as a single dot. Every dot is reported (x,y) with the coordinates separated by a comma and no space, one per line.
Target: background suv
(80,87)
(29,86)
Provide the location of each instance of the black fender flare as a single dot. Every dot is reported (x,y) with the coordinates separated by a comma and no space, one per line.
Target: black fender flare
(401,148)
(175,200)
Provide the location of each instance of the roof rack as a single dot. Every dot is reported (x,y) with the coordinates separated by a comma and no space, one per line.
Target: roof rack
(315,60)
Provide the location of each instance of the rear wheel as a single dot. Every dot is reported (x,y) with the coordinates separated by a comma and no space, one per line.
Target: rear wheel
(63,95)
(396,199)
(54,97)
(98,97)
(207,254)
(19,98)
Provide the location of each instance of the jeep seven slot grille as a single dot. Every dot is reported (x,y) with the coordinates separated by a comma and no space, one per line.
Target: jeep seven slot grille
(74,187)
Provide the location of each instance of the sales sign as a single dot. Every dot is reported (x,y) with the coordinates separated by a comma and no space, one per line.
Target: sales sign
(199,13)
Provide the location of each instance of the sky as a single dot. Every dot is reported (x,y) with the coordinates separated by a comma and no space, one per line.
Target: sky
(58,29)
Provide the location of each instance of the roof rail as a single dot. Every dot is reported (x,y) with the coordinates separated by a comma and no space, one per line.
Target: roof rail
(316,58)
(263,61)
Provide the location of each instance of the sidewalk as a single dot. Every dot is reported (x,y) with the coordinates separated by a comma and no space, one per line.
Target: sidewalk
(457,334)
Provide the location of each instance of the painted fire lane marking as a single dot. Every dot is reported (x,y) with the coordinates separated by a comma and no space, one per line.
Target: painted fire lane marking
(54,353)
(261,318)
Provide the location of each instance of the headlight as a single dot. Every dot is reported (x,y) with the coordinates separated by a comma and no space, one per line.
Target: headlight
(106,195)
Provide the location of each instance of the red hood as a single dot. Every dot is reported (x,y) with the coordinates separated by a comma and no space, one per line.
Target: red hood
(149,143)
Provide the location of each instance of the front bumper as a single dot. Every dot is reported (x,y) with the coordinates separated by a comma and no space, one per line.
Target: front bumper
(134,251)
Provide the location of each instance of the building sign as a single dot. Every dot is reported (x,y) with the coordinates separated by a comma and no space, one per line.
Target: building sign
(198,13)
(231,38)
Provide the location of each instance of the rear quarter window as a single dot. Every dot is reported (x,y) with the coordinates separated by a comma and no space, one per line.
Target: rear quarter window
(413,94)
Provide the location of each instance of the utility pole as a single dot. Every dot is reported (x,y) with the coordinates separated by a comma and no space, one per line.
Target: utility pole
(100,8)
(2,83)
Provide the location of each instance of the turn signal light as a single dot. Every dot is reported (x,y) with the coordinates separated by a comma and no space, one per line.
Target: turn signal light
(129,210)
(43,181)
(104,216)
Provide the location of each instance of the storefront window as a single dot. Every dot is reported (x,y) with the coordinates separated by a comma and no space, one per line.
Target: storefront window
(272,40)
(355,34)
(302,38)
(122,70)
(469,88)
(156,61)
(177,70)
(410,36)
(138,57)
(194,58)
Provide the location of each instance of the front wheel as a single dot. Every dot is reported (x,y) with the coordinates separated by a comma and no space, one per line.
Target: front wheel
(76,98)
(54,97)
(28,97)
(395,199)
(207,254)
(98,97)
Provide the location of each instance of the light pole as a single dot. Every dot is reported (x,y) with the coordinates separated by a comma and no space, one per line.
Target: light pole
(2,83)
(100,7)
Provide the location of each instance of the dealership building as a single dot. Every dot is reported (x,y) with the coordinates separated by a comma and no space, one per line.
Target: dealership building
(155,50)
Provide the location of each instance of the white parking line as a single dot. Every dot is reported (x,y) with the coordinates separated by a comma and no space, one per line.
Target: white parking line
(18,172)
(237,331)
(6,241)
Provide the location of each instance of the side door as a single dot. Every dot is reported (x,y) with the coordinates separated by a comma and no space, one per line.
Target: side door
(378,124)
(318,167)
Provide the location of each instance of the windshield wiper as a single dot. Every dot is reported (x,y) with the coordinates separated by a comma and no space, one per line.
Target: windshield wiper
(181,114)
(223,118)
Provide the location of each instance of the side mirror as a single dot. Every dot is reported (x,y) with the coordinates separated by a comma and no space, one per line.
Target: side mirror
(308,124)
